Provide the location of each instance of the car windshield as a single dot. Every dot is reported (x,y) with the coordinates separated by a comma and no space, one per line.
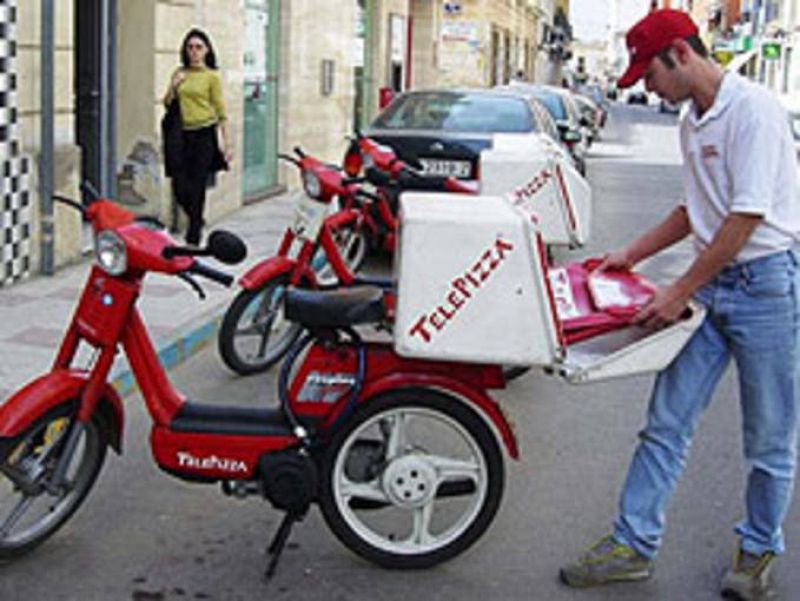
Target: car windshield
(554,104)
(794,122)
(457,112)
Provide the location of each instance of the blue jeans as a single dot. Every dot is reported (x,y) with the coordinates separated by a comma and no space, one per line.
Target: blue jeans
(752,318)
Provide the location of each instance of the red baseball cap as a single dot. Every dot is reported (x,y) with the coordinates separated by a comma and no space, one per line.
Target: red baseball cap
(650,36)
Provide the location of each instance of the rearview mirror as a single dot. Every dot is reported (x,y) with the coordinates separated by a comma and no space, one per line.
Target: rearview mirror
(226,247)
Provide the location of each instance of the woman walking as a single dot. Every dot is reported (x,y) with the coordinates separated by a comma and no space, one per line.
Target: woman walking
(197,86)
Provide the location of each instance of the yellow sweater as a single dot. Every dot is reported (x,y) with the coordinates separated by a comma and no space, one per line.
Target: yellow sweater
(200,96)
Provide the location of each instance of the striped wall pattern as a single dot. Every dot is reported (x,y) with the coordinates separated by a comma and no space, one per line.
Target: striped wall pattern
(15,202)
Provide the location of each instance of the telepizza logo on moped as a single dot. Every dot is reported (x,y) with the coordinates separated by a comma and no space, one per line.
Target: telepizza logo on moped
(212,462)
(462,290)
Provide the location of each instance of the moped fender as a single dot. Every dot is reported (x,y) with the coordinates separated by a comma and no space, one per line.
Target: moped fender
(53,389)
(260,273)
(487,408)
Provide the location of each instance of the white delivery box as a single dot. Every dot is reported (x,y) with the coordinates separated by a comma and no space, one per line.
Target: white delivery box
(471,284)
(541,182)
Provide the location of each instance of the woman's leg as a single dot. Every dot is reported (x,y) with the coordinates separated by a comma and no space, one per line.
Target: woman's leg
(200,146)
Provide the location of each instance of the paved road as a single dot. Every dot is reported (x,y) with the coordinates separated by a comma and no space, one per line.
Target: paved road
(145,536)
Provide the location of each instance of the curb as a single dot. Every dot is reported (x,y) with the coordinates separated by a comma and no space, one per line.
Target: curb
(172,353)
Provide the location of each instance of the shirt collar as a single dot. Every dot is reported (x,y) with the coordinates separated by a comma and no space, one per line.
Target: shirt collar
(724,96)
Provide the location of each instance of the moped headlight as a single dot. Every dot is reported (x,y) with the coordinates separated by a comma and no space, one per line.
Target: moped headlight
(110,253)
(312,185)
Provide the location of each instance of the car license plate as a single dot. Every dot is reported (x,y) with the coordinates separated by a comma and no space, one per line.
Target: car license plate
(446,168)
(308,217)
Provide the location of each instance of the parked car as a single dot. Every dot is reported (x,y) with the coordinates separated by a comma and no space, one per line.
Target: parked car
(544,120)
(637,97)
(665,106)
(560,103)
(594,92)
(592,116)
(442,132)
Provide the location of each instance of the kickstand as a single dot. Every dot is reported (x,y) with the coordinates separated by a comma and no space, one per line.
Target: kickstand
(279,542)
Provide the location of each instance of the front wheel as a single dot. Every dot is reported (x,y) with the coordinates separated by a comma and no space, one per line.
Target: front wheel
(31,508)
(254,332)
(412,480)
(351,242)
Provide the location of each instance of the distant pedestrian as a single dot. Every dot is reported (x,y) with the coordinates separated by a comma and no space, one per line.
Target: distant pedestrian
(742,211)
(204,146)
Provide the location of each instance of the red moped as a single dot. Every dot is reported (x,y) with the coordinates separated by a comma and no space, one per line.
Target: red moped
(390,176)
(319,248)
(402,455)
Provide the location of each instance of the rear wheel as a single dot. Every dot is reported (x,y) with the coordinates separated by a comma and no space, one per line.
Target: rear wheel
(254,332)
(413,479)
(31,508)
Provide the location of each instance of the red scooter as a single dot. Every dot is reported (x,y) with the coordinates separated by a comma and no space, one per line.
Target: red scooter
(318,249)
(390,176)
(400,454)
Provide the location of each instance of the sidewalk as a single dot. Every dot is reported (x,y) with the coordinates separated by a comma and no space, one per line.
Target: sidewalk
(35,313)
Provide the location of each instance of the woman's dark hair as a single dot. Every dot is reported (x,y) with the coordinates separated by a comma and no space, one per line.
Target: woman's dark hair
(211,57)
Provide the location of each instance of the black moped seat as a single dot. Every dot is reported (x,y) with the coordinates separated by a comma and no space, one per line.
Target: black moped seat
(236,421)
(340,308)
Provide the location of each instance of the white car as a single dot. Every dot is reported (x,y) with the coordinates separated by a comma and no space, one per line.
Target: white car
(443,131)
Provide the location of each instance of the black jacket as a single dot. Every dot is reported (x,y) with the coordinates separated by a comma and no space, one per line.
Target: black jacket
(172,138)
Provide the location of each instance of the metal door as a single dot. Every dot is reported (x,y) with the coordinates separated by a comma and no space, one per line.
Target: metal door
(262,41)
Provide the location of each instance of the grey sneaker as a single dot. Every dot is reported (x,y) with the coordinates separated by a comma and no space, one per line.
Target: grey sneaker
(604,562)
(748,578)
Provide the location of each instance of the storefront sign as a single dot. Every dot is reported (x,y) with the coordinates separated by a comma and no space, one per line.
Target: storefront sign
(459,31)
(771,51)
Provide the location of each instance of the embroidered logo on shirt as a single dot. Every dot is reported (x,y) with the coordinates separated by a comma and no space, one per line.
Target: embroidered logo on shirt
(709,151)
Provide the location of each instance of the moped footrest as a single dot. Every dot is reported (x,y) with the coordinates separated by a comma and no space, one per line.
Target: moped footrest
(340,308)
(236,421)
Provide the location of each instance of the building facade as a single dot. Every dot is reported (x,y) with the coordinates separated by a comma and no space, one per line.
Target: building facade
(299,72)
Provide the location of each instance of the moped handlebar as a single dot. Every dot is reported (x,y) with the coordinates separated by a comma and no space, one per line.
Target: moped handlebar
(367,195)
(408,179)
(289,159)
(70,203)
(199,268)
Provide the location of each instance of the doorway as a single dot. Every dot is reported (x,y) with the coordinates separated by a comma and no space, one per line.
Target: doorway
(261,66)
(95,91)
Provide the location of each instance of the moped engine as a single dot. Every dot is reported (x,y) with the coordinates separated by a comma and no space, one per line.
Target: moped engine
(289,478)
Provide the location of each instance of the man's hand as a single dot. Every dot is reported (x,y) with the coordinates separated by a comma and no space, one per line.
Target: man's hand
(665,308)
(616,260)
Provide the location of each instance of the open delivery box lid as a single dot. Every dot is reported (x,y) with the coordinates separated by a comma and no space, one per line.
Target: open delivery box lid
(474,286)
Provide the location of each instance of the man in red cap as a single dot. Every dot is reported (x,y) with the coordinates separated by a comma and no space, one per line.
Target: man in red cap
(742,212)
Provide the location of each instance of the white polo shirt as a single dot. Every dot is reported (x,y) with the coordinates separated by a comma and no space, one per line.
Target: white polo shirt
(739,158)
